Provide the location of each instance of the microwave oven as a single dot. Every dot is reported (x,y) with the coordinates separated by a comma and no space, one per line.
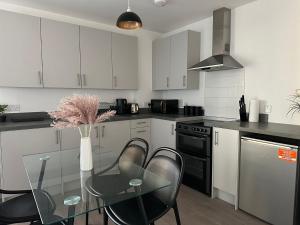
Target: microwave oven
(164,106)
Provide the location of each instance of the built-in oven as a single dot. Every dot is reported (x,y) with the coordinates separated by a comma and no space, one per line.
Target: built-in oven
(193,141)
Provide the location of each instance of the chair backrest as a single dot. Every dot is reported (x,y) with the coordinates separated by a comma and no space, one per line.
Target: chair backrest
(134,153)
(168,168)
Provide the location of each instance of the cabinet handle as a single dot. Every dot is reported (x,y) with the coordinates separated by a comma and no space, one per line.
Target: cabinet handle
(167,82)
(184,81)
(57,136)
(97,132)
(141,122)
(78,79)
(84,79)
(103,128)
(216,138)
(141,131)
(115,81)
(172,129)
(40,77)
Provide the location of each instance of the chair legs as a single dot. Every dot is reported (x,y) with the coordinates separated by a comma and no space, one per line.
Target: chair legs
(176,212)
(98,205)
(87,219)
(105,218)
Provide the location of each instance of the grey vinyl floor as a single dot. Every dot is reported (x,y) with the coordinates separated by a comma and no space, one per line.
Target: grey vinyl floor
(195,209)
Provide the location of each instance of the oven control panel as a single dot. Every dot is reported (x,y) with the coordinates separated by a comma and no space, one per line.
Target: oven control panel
(193,129)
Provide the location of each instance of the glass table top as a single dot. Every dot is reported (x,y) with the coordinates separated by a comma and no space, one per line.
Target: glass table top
(62,191)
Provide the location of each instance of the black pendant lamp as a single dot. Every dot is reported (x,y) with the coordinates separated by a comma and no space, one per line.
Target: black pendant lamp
(129,20)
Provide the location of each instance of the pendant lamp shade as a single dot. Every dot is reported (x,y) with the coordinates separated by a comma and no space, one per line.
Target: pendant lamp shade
(129,20)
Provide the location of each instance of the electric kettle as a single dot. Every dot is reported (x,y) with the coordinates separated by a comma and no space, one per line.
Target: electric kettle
(134,108)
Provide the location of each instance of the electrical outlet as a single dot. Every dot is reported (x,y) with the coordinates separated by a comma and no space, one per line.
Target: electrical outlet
(268,109)
(13,108)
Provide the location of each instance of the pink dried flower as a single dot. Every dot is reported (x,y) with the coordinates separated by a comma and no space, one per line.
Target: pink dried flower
(76,110)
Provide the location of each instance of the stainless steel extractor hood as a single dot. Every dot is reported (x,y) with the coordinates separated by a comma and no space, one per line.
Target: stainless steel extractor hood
(221,59)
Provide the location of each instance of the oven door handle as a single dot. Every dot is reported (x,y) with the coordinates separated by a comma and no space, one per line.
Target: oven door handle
(191,136)
(194,157)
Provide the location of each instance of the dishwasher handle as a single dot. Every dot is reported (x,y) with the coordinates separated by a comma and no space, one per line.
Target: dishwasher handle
(264,142)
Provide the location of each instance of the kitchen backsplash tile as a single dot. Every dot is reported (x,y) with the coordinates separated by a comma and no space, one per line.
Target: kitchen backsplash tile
(222,92)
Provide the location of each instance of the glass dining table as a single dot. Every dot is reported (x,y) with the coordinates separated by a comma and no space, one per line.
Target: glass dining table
(62,191)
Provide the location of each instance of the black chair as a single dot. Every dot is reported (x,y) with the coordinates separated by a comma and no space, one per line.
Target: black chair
(150,207)
(23,209)
(20,209)
(103,185)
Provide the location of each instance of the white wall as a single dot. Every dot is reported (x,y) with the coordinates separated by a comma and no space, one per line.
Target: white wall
(265,39)
(47,99)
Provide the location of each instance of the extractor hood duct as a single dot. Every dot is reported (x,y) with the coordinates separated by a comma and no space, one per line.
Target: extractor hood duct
(221,59)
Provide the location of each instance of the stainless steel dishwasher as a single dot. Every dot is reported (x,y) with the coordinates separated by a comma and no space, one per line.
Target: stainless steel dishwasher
(267,180)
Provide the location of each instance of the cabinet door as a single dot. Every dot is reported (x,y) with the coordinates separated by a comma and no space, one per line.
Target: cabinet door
(163,134)
(225,159)
(179,46)
(71,138)
(143,132)
(60,53)
(20,55)
(95,49)
(161,49)
(124,61)
(114,136)
(15,144)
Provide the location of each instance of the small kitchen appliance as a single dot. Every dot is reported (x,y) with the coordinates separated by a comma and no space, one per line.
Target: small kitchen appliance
(164,106)
(134,108)
(193,141)
(121,106)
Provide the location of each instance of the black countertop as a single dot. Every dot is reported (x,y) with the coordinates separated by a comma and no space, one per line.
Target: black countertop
(46,122)
(272,129)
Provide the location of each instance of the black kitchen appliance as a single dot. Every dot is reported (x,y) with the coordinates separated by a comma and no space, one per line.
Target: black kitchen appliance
(193,141)
(164,106)
(122,106)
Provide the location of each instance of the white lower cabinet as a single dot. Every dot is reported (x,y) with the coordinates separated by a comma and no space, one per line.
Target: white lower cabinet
(141,129)
(107,138)
(114,136)
(225,164)
(70,138)
(163,134)
(15,144)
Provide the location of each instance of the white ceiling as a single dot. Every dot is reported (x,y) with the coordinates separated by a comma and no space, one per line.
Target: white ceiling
(174,15)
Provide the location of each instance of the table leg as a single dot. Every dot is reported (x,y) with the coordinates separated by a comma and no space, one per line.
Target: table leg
(141,206)
(71,213)
(87,214)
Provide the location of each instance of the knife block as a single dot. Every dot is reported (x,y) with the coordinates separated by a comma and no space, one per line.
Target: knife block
(243,116)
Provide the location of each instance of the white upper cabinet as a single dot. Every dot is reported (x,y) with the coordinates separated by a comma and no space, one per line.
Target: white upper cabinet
(124,61)
(95,49)
(161,59)
(173,56)
(20,54)
(60,53)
